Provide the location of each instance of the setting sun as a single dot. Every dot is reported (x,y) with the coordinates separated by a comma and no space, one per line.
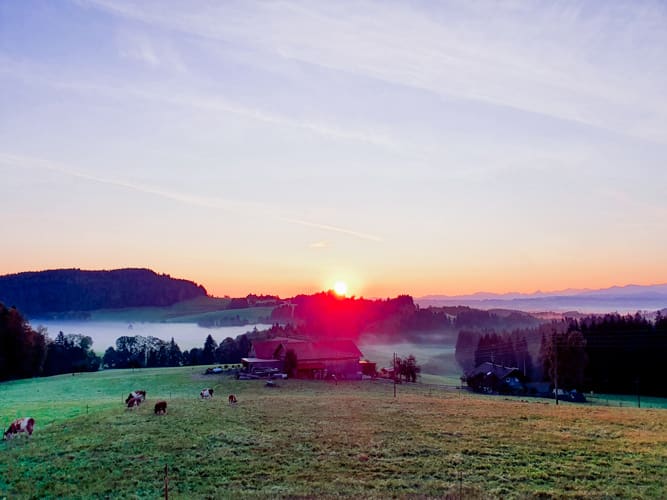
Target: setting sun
(340,288)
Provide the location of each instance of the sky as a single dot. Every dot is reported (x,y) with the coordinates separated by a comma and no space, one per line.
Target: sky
(279,147)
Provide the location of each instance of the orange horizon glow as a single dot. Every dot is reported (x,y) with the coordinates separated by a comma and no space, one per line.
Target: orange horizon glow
(238,283)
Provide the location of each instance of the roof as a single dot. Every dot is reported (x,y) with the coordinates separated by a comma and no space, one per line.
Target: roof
(488,369)
(265,349)
(324,349)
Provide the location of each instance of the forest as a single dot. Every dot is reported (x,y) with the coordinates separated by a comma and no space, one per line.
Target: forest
(74,290)
(327,314)
(25,352)
(609,353)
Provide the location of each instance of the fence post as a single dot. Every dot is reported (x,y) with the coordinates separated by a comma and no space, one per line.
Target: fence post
(460,484)
(166,482)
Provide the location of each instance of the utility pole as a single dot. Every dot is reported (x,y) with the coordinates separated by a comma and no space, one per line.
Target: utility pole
(555,345)
(394,374)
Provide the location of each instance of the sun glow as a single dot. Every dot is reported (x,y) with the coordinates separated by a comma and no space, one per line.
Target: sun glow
(340,287)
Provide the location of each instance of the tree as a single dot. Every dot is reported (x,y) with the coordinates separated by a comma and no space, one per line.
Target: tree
(70,353)
(466,345)
(411,369)
(174,355)
(291,362)
(228,351)
(208,356)
(110,358)
(564,358)
(22,349)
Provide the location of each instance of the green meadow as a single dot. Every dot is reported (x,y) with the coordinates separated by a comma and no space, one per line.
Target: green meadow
(188,311)
(318,439)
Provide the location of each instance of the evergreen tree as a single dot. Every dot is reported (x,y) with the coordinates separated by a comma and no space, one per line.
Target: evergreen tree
(174,355)
(208,355)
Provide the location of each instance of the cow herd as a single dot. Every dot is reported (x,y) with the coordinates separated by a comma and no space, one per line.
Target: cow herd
(133,400)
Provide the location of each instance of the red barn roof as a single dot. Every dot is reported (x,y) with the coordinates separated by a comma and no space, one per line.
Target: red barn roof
(265,349)
(324,349)
(306,350)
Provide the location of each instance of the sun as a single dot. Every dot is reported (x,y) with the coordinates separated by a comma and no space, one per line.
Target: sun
(340,287)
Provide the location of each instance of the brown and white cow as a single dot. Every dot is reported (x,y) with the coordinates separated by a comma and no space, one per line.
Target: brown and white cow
(25,424)
(161,408)
(141,395)
(206,393)
(133,402)
(232,399)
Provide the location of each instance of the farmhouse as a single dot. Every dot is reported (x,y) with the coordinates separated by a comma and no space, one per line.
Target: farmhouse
(314,358)
(492,378)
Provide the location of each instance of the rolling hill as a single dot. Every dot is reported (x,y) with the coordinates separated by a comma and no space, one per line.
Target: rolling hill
(62,290)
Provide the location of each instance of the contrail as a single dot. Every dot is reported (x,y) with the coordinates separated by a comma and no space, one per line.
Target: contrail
(326,227)
(201,201)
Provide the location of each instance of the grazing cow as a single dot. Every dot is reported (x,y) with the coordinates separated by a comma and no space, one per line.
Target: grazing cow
(161,408)
(206,393)
(141,395)
(232,399)
(25,424)
(133,402)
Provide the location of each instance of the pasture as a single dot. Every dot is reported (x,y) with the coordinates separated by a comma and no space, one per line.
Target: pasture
(188,311)
(318,439)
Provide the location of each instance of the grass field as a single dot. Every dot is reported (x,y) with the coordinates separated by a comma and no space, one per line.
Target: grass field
(317,439)
(189,311)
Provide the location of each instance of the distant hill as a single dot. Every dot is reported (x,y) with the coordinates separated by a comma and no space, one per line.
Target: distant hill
(630,298)
(63,290)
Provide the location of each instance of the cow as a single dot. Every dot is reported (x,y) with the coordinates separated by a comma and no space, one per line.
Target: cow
(133,402)
(141,395)
(206,393)
(161,408)
(25,424)
(232,399)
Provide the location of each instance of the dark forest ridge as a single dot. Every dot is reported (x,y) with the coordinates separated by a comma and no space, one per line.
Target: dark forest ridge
(62,290)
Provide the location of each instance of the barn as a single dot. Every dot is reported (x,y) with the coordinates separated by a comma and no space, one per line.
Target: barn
(315,359)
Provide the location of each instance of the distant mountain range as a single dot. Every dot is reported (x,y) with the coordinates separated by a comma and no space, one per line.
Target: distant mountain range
(622,299)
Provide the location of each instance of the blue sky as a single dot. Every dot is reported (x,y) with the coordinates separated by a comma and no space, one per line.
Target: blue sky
(403,147)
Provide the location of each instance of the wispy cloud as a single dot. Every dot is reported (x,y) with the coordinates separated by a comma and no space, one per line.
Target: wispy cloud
(556,60)
(18,161)
(149,51)
(187,97)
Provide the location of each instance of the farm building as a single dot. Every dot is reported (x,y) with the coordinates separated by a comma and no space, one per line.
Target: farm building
(314,358)
(493,378)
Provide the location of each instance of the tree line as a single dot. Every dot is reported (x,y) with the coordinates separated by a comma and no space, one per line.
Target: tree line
(65,290)
(610,353)
(327,314)
(26,352)
(147,352)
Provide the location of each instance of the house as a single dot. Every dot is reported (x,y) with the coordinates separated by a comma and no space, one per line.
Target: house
(315,359)
(492,378)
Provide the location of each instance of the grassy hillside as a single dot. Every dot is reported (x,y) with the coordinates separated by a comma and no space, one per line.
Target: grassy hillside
(209,310)
(318,439)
